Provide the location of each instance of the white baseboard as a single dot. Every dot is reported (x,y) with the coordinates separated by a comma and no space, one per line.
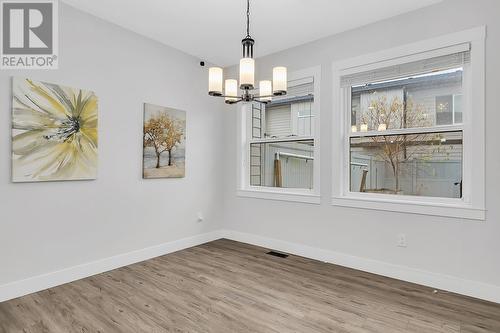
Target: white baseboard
(471,288)
(41,282)
(439,281)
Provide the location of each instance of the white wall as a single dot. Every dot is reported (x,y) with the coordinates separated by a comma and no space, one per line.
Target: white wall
(45,227)
(462,249)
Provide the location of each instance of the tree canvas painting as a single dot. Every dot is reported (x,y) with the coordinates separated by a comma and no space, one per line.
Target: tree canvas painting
(54,132)
(164,142)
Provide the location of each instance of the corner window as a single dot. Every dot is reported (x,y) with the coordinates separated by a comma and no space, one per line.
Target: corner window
(413,128)
(281,150)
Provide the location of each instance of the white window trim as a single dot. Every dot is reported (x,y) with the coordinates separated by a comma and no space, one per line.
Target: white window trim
(244,189)
(472,205)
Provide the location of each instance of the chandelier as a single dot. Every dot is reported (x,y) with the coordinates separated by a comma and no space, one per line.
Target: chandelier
(267,89)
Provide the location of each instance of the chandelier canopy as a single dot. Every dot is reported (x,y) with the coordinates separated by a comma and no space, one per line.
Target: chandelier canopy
(267,88)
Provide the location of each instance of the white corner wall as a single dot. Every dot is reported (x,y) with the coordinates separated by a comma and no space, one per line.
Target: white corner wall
(49,227)
(448,253)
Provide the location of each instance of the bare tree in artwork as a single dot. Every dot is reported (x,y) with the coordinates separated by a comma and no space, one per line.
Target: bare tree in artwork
(163,133)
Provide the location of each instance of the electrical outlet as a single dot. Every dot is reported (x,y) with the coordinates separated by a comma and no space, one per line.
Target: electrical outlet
(402,240)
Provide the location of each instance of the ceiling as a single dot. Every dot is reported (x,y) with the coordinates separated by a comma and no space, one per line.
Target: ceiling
(212,29)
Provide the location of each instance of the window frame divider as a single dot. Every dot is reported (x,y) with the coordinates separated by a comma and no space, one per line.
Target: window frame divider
(408,131)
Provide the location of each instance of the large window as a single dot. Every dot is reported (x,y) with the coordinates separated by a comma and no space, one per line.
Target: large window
(412,125)
(406,132)
(281,152)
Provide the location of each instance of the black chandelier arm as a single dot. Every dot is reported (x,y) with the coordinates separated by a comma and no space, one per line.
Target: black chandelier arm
(269,96)
(275,94)
(224,96)
(246,95)
(233,99)
(243,98)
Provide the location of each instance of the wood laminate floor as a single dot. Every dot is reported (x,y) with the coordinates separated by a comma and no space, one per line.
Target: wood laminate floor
(226,286)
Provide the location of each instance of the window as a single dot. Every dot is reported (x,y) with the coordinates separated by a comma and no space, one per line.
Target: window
(281,152)
(404,137)
(408,122)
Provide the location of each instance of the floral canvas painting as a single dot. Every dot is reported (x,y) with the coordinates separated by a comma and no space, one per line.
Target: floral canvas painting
(164,142)
(54,132)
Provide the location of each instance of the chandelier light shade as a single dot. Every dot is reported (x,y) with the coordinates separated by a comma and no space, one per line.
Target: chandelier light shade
(231,91)
(215,81)
(247,70)
(267,89)
(279,80)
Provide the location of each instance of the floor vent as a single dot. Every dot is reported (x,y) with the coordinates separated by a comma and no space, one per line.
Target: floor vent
(277,254)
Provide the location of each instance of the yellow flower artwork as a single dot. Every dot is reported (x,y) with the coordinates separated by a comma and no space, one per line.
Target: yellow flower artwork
(54,132)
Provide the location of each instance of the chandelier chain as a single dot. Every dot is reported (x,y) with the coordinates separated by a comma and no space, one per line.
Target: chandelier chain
(248,18)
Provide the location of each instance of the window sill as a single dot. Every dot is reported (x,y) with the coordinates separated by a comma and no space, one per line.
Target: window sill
(455,210)
(292,195)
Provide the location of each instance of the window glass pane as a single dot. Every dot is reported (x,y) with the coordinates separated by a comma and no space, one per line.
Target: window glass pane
(278,121)
(428,164)
(410,102)
(444,110)
(282,164)
(303,121)
(291,119)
